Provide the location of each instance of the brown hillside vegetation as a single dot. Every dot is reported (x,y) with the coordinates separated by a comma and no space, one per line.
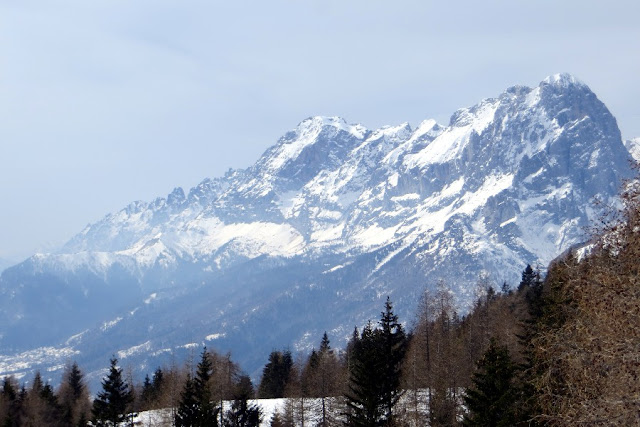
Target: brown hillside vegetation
(588,344)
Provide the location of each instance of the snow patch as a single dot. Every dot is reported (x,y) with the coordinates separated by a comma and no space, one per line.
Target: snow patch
(110,324)
(215,336)
(137,349)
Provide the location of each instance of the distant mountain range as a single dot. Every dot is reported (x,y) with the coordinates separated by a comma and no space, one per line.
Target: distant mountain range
(328,222)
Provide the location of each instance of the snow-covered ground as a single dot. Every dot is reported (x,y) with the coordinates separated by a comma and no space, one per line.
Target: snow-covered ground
(412,406)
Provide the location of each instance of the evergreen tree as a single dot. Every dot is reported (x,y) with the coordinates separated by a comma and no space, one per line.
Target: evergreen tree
(242,413)
(393,347)
(147,392)
(325,343)
(157,383)
(529,277)
(490,400)
(207,412)
(531,285)
(74,397)
(365,406)
(187,413)
(275,375)
(531,292)
(375,371)
(111,404)
(10,403)
(152,389)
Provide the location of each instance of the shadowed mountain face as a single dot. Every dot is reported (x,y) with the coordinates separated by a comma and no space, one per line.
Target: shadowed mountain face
(328,222)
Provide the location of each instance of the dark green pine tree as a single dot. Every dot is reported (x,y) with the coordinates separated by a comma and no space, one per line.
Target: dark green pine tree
(393,347)
(530,289)
(157,382)
(375,371)
(491,399)
(75,381)
(325,344)
(242,413)
(207,411)
(187,413)
(528,278)
(151,390)
(146,395)
(111,404)
(275,375)
(52,413)
(531,285)
(10,403)
(365,406)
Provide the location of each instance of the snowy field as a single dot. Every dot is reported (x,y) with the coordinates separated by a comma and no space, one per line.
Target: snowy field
(412,406)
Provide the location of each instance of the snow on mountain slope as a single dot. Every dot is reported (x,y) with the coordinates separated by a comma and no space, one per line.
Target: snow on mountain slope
(633,145)
(326,223)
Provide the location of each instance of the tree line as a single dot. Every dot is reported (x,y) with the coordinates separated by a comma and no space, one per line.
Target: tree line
(563,349)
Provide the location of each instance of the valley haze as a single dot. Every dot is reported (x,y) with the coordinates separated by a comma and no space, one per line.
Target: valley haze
(316,234)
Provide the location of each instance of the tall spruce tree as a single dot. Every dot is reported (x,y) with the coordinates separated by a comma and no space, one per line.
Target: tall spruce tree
(187,412)
(365,406)
(146,395)
(10,403)
(275,375)
(375,371)
(393,348)
(111,404)
(207,411)
(490,400)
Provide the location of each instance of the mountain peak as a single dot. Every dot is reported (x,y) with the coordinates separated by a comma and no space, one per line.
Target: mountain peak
(564,80)
(317,123)
(176,197)
(311,142)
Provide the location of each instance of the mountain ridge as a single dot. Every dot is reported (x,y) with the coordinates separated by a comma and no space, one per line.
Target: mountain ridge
(336,214)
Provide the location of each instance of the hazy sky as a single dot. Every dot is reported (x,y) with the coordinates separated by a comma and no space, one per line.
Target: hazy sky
(104,102)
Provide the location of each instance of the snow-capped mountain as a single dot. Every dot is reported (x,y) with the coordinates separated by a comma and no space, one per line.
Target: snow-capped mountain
(328,222)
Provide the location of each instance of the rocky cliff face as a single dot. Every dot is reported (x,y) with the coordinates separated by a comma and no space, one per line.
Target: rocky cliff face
(322,227)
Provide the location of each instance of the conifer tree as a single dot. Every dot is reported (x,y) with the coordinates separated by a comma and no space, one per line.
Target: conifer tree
(10,403)
(275,375)
(375,371)
(207,412)
(490,400)
(393,348)
(187,413)
(74,397)
(158,380)
(111,404)
(364,400)
(242,413)
(325,343)
(146,395)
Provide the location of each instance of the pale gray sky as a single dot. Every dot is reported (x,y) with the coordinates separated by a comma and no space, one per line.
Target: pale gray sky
(103,102)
